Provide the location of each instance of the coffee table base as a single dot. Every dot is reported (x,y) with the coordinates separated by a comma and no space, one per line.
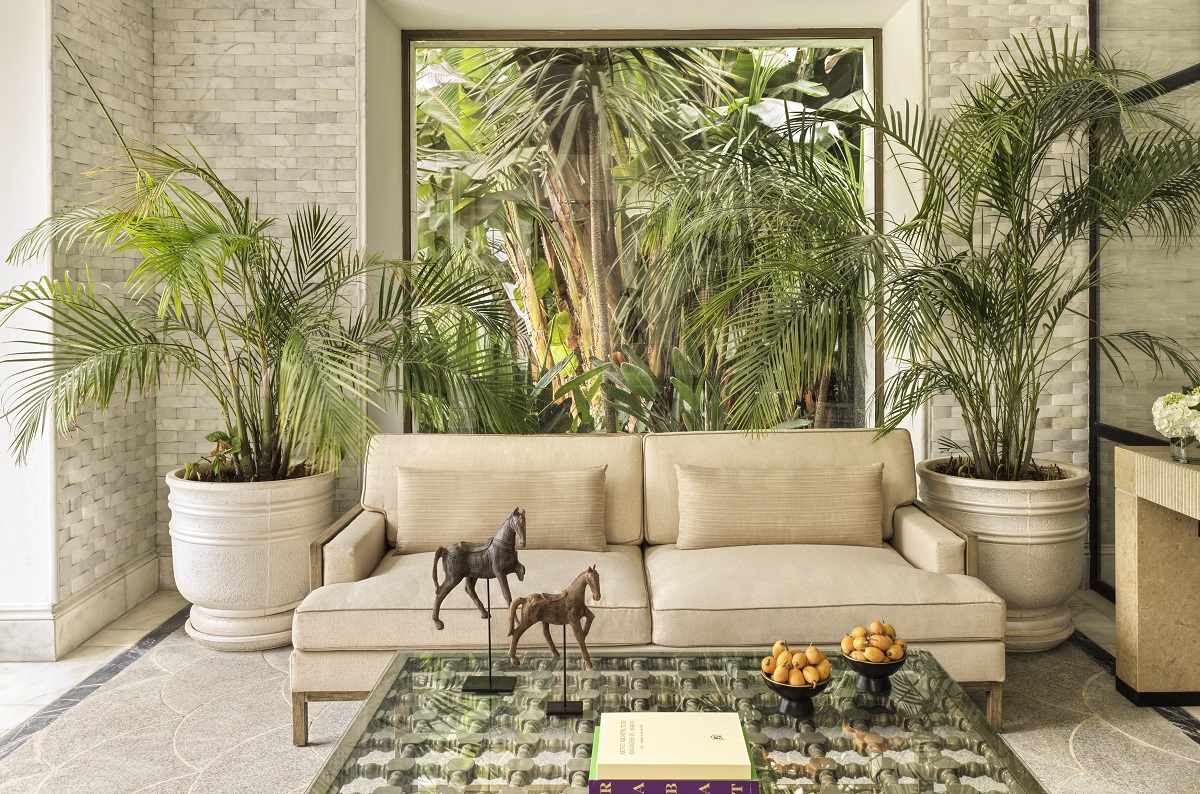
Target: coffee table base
(564,708)
(489,684)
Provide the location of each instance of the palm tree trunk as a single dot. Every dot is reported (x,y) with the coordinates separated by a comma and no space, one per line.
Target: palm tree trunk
(523,272)
(598,213)
(822,412)
(562,299)
(268,457)
(579,283)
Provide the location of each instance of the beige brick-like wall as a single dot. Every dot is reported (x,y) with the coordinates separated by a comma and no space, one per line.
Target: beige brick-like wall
(267,90)
(106,514)
(963,39)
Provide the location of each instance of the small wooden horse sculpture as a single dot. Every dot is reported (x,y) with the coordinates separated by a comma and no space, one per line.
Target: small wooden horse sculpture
(494,559)
(560,609)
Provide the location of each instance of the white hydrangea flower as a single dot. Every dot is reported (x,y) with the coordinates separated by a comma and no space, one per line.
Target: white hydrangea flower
(1176,416)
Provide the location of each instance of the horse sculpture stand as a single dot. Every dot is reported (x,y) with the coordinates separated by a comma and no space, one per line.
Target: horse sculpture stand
(494,559)
(489,684)
(563,608)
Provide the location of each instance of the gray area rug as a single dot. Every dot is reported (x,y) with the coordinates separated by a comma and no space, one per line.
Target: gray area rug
(173,717)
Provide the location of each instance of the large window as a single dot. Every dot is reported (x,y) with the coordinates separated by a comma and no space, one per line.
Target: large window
(628,197)
(1161,289)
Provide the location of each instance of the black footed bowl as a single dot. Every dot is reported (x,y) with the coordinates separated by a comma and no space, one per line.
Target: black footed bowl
(873,677)
(795,701)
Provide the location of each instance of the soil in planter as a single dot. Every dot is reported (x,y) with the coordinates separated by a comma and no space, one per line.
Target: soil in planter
(206,472)
(962,466)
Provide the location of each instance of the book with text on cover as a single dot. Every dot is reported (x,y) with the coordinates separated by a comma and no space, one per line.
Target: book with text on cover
(597,786)
(677,746)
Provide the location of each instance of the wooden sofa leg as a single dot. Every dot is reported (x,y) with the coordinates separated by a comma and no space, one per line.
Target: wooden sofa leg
(995,716)
(300,719)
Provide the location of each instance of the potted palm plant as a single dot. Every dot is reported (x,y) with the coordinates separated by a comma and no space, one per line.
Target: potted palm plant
(989,268)
(267,325)
(971,290)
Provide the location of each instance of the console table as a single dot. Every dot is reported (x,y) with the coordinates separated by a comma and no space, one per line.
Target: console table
(1157,589)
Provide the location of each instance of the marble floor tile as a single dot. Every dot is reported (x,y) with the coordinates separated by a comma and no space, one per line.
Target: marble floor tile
(1095,617)
(114,638)
(1096,602)
(13,715)
(151,613)
(24,683)
(28,684)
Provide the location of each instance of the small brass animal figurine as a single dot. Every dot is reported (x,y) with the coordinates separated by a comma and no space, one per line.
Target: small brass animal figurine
(560,609)
(493,559)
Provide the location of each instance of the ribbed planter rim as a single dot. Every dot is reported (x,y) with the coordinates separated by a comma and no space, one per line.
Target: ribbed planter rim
(1078,477)
(175,477)
(1013,503)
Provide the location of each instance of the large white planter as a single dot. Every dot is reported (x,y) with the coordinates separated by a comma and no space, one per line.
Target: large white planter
(1031,544)
(241,555)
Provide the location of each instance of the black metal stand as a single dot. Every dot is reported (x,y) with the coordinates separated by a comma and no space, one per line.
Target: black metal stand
(489,684)
(564,707)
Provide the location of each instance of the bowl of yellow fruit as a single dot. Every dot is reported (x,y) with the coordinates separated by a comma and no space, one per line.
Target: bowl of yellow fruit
(796,676)
(874,652)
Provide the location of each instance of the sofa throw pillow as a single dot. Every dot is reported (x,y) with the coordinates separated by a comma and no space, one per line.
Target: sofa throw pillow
(749,507)
(563,509)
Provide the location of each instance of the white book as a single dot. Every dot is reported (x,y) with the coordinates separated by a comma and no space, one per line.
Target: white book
(653,745)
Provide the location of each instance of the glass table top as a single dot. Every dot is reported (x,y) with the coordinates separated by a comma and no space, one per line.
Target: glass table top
(419,732)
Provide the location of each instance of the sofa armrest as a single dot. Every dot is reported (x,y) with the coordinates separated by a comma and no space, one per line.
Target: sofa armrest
(353,553)
(930,544)
(316,549)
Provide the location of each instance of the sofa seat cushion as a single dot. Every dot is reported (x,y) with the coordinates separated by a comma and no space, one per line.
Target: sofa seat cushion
(392,608)
(755,595)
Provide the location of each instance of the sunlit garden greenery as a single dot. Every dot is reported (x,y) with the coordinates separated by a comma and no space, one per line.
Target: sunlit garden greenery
(647,214)
(636,239)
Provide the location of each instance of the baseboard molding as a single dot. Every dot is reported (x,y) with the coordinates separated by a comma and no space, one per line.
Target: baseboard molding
(43,633)
(1158,698)
(166,570)
(25,637)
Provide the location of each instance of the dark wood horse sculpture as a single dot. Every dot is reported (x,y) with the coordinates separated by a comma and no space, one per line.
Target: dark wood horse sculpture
(494,559)
(560,609)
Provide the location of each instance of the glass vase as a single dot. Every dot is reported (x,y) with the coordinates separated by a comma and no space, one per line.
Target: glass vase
(1186,450)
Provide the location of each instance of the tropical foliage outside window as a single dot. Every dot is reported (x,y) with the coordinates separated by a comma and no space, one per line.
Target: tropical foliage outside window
(646,213)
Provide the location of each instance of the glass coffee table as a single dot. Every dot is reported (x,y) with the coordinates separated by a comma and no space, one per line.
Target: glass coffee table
(418,732)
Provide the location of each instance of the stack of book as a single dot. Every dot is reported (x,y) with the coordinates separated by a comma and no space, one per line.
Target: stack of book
(671,753)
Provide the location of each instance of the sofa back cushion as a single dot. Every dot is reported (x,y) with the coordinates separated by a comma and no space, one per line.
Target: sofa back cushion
(563,509)
(621,453)
(757,507)
(784,449)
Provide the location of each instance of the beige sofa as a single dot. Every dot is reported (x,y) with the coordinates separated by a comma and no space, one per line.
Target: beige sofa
(366,603)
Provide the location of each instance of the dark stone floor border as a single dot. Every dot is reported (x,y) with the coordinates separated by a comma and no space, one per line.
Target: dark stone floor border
(17,736)
(1173,714)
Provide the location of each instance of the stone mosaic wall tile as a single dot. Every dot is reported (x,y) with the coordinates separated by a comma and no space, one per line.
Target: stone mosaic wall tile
(268,91)
(107,516)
